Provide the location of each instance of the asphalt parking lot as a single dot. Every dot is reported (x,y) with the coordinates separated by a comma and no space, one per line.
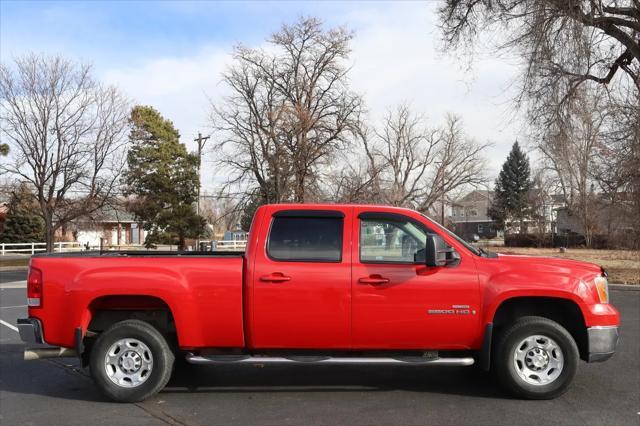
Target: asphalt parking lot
(59,392)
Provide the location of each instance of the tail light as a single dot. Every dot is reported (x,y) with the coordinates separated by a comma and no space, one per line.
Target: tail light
(34,288)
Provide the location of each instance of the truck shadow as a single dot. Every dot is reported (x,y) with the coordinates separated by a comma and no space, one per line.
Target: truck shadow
(63,378)
(464,381)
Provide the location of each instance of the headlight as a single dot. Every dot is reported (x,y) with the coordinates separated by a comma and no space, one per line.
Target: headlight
(602,285)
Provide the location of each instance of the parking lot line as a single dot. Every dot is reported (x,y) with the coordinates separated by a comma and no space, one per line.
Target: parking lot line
(14,284)
(11,326)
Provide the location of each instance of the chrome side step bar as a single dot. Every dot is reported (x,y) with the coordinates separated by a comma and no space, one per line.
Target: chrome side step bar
(317,360)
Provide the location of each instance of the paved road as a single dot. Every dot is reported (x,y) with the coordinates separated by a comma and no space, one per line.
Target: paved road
(58,392)
(13,275)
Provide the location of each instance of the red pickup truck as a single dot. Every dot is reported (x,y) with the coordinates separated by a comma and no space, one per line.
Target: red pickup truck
(322,284)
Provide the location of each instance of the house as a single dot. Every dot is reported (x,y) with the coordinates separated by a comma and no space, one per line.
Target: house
(109,226)
(469,216)
(546,220)
(235,235)
(612,221)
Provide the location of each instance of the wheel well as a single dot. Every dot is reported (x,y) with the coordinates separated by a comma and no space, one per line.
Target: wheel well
(563,311)
(108,310)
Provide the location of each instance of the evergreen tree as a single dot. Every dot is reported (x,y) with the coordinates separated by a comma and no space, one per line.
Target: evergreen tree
(164,179)
(23,224)
(510,202)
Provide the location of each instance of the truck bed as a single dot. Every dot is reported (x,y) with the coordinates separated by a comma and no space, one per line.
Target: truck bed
(202,290)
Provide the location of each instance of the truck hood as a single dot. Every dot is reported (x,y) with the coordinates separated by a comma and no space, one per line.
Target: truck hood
(553,265)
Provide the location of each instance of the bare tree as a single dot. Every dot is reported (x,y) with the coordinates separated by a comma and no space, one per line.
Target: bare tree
(569,48)
(460,163)
(570,145)
(616,168)
(417,166)
(222,211)
(66,134)
(404,149)
(540,202)
(563,41)
(356,177)
(289,110)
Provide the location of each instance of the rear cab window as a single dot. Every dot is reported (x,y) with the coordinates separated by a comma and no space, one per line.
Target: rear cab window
(306,236)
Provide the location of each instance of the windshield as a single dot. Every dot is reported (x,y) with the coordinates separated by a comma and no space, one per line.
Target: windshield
(471,248)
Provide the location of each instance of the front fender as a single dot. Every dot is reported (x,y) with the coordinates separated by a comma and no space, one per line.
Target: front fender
(507,286)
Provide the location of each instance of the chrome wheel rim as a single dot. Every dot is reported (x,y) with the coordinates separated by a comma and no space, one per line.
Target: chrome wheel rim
(128,363)
(538,360)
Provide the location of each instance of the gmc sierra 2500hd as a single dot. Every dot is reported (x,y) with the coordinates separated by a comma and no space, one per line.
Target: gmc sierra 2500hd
(324,284)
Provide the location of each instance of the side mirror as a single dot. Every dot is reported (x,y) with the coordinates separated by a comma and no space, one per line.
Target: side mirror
(437,252)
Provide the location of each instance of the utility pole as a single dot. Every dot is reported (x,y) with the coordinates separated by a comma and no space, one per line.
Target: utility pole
(201,141)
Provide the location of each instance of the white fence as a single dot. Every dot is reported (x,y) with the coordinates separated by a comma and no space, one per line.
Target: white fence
(33,248)
(222,245)
(67,246)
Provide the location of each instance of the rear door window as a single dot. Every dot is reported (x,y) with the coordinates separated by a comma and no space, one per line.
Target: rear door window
(305,239)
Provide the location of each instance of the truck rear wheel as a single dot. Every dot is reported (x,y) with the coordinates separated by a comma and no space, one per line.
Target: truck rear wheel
(131,361)
(536,358)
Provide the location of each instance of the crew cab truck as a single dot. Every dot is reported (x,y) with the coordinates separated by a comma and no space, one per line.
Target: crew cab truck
(322,284)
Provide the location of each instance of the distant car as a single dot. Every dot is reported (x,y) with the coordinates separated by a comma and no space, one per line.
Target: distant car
(315,286)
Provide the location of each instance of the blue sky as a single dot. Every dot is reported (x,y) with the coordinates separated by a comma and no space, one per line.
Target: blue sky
(131,31)
(170,55)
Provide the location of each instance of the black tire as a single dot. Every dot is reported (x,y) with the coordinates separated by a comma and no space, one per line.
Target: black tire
(162,361)
(506,368)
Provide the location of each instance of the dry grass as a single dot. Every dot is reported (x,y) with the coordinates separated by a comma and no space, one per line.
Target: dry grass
(623,266)
(14,262)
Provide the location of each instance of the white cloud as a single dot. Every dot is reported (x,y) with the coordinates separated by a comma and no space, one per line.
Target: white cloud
(395,59)
(178,87)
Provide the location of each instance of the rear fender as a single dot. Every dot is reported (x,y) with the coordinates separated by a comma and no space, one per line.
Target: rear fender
(160,283)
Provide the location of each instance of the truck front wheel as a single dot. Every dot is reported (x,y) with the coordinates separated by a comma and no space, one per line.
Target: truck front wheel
(536,358)
(131,361)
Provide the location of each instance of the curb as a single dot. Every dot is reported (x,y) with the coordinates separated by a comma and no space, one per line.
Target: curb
(625,287)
